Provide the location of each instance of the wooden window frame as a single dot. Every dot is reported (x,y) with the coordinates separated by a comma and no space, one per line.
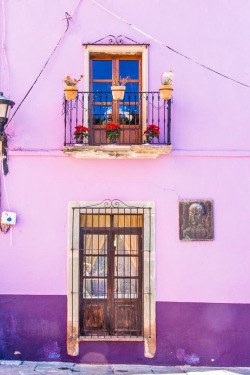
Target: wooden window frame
(132,132)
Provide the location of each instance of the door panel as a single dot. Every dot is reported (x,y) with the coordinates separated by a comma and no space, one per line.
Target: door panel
(94,317)
(126,318)
(93,281)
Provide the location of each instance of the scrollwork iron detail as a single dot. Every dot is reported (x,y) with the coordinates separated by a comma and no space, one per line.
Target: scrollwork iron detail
(116,40)
(109,203)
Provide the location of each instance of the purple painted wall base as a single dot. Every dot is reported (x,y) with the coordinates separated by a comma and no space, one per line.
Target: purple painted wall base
(202,334)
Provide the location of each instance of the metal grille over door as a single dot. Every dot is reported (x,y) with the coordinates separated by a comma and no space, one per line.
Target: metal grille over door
(111,291)
(111,273)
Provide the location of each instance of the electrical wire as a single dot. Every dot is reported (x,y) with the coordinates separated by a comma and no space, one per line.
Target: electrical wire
(5,227)
(165,45)
(67,18)
(6,193)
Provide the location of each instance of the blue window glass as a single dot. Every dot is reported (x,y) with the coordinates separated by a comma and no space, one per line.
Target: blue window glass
(129,114)
(129,68)
(101,87)
(102,114)
(102,110)
(102,92)
(102,69)
(132,87)
(131,97)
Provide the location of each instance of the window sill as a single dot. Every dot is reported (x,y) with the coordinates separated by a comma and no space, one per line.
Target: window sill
(114,151)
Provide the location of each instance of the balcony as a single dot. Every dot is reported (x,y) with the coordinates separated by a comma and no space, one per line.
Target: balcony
(95,110)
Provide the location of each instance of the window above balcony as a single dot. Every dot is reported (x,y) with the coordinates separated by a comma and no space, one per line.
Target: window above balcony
(95,108)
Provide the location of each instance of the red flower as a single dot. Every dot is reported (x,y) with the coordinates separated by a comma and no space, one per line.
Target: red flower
(81,132)
(81,129)
(113,127)
(151,132)
(113,131)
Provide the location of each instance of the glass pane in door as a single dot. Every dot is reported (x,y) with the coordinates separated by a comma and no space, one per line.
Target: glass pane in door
(126,266)
(126,244)
(94,267)
(94,288)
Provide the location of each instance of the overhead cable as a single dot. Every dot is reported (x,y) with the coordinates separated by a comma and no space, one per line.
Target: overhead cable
(68,17)
(165,45)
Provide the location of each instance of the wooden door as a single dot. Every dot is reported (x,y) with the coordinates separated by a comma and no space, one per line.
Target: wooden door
(111,282)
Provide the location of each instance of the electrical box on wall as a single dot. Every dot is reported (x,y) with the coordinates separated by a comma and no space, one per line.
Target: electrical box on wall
(8,218)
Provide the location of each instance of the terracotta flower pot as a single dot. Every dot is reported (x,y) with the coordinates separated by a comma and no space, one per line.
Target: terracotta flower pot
(118,92)
(81,141)
(70,92)
(166,92)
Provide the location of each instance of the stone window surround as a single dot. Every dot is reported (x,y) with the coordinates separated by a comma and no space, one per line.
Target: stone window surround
(122,49)
(149,302)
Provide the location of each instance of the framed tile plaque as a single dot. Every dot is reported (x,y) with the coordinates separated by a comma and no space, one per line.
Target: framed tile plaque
(196,222)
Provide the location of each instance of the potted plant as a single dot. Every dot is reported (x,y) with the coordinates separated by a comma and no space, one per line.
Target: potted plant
(113,132)
(152,132)
(118,87)
(166,88)
(71,89)
(81,134)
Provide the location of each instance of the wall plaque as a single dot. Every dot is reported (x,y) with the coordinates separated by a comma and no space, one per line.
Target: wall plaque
(196,221)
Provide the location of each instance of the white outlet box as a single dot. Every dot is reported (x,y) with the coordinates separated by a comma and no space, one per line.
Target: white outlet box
(8,218)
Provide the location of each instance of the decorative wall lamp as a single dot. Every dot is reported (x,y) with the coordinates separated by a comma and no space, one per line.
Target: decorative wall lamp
(5,107)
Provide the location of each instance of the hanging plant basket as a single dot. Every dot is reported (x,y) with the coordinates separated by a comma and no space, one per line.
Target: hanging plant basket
(118,92)
(166,92)
(70,92)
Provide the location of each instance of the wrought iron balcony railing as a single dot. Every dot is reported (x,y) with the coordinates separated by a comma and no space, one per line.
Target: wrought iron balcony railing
(134,113)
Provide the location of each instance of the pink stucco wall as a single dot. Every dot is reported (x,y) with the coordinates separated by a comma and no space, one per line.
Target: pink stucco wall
(210,136)
(39,189)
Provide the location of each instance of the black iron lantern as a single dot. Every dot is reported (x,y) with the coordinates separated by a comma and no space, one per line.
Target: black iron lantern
(5,107)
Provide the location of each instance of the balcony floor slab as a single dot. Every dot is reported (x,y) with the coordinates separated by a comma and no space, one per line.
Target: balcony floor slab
(114,151)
